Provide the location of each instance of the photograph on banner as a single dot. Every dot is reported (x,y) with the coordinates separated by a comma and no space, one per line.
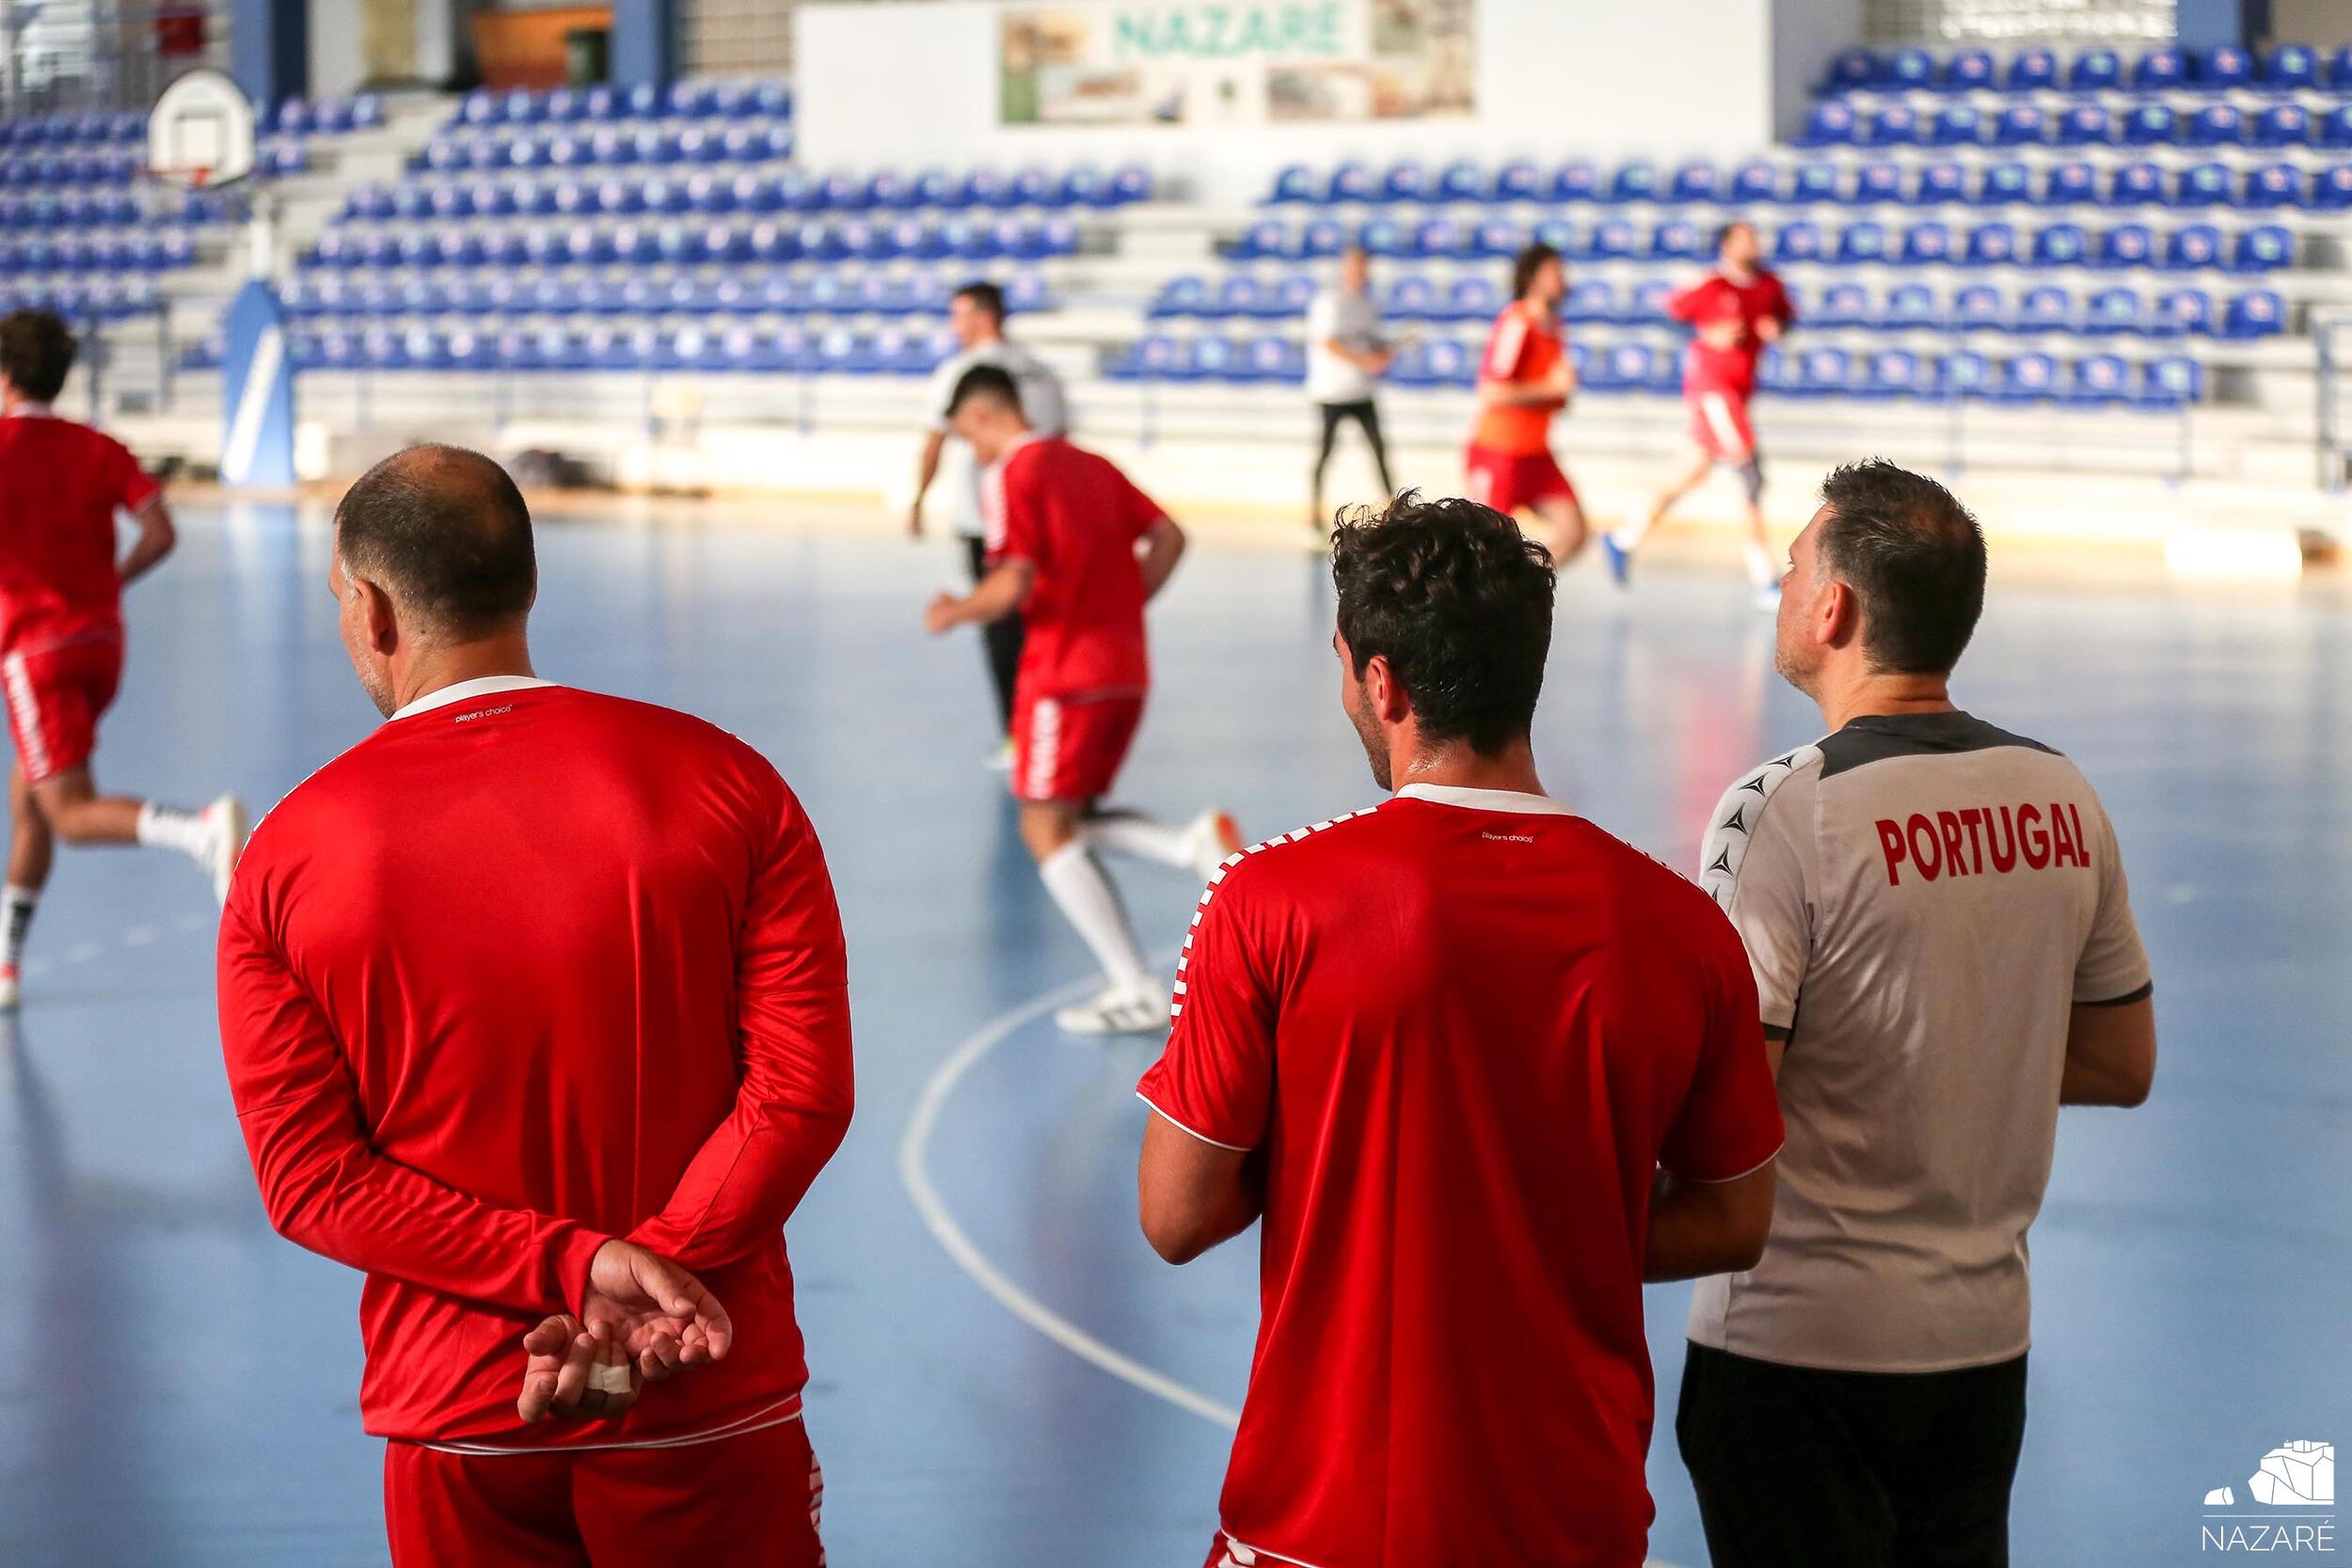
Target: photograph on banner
(1231,62)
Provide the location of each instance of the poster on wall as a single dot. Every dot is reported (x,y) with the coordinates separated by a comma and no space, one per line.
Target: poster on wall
(1236,62)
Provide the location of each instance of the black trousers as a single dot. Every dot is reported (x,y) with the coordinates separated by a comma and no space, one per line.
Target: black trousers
(1367,417)
(1802,1468)
(1002,639)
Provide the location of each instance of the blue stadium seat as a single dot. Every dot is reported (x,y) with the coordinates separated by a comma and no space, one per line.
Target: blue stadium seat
(2214,125)
(2222,67)
(1405,181)
(2127,246)
(2260,313)
(1895,125)
(2110,312)
(1797,243)
(2338,72)
(2070,184)
(1910,308)
(2004,184)
(2136,185)
(1842,305)
(2099,381)
(1893,373)
(1678,240)
(2192,248)
(1824,373)
(2203,186)
(2085,125)
(1850,71)
(2027,378)
(1940,184)
(1276,360)
(2283,125)
(2334,129)
(2151,125)
(1495,239)
(2180,312)
(1634,182)
(2331,189)
(1349,183)
(1030,187)
(1435,238)
(1967,70)
(1609,241)
(1236,295)
(1474,299)
(1991,244)
(1908,70)
(1321,238)
(1755,181)
(1412,298)
(1624,368)
(1463,181)
(2021,125)
(1590,300)
(2269,249)
(1131,183)
(2273,185)
(2169,382)
(1697,182)
(2095,71)
(1957,125)
(1814,184)
(1831,124)
(1962,375)
(1879,183)
(1269,237)
(1644,304)
(1980,307)
(1927,245)
(1384,237)
(2159,69)
(1518,181)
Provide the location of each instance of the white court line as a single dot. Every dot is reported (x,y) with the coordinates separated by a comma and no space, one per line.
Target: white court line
(915,1173)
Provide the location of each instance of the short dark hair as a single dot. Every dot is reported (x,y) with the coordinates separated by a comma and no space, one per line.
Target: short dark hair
(36,353)
(1526,264)
(1459,602)
(445,531)
(986,297)
(1723,232)
(989,384)
(1914,558)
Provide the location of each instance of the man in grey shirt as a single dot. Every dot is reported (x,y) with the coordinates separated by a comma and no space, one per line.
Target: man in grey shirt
(977,315)
(1345,356)
(1936,915)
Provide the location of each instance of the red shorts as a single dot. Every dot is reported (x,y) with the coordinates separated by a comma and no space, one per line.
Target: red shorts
(56,695)
(750,1501)
(1515,481)
(1718,423)
(1070,748)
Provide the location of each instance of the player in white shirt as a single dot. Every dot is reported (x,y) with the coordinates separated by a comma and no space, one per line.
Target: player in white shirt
(977,315)
(1347,356)
(1936,915)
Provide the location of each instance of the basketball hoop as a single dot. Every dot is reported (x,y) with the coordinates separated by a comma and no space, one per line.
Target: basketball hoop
(200,133)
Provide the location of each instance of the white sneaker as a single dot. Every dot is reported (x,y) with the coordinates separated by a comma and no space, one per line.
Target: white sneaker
(1116,1010)
(1215,837)
(225,835)
(9,996)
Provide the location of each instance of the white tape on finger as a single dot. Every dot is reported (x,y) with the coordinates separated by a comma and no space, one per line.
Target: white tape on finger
(607,1379)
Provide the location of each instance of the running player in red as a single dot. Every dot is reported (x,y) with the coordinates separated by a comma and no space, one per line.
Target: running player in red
(1482,1070)
(535,1007)
(1738,311)
(1078,550)
(1525,379)
(62,485)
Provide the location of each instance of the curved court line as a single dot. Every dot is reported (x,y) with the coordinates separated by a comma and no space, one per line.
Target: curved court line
(914,1174)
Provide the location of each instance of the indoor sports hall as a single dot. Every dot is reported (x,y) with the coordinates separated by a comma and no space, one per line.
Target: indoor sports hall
(688,270)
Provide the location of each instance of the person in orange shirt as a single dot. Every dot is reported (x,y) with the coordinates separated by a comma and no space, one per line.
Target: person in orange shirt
(1525,379)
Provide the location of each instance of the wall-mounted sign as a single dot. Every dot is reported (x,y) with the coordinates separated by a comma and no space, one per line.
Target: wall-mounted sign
(1237,62)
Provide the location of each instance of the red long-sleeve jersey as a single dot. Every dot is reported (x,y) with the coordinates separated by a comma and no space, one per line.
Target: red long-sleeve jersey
(528,969)
(1718,298)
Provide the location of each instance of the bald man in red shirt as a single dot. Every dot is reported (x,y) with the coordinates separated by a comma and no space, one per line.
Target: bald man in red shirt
(536,1008)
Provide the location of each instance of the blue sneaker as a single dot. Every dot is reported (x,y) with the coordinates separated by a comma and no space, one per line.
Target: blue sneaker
(1620,559)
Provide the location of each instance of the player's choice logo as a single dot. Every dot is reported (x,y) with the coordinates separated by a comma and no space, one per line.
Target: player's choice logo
(2288,1504)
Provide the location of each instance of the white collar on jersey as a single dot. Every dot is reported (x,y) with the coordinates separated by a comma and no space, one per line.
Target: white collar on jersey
(1488,800)
(30,411)
(480,687)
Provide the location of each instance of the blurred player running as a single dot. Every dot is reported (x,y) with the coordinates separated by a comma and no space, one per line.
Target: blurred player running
(1525,379)
(1075,547)
(1738,311)
(61,632)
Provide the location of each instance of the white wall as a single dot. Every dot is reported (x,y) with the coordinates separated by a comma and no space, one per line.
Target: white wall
(337,64)
(1807,36)
(916,84)
(2323,23)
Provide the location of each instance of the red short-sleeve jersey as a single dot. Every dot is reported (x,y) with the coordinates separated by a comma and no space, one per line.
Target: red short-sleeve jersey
(1075,519)
(1525,345)
(1462,1030)
(60,485)
(1716,299)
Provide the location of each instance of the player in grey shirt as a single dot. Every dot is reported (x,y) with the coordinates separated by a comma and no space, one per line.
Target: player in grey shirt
(977,315)
(1347,356)
(1936,915)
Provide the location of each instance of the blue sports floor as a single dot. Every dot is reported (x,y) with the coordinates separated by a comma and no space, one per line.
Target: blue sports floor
(180,1385)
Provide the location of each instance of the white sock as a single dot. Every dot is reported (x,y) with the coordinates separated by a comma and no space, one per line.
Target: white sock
(1627,535)
(1760,569)
(1091,904)
(16,918)
(169,828)
(1131,832)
